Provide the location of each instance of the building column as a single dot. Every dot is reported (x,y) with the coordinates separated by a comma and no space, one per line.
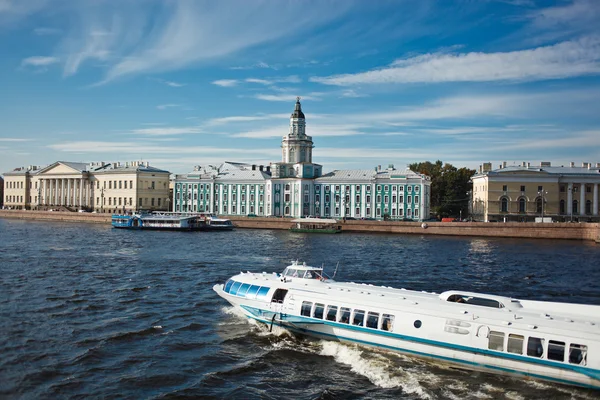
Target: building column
(570,199)
(70,186)
(80,192)
(582,199)
(595,201)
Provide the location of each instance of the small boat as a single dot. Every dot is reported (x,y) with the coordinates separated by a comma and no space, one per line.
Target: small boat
(171,221)
(316,225)
(558,342)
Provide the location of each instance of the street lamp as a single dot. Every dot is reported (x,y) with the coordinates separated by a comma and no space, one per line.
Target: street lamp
(541,193)
(102,201)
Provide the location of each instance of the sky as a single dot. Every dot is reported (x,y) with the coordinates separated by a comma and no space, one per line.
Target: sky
(192,82)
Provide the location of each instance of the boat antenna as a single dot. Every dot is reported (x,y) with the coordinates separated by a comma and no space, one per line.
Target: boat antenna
(336,267)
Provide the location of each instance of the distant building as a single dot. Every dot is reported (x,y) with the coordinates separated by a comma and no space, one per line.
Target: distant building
(101,187)
(297,187)
(526,192)
(1,192)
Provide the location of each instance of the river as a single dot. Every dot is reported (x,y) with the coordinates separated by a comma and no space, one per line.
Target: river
(87,311)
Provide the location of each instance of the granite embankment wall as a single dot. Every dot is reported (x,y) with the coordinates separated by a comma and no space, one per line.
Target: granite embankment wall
(576,231)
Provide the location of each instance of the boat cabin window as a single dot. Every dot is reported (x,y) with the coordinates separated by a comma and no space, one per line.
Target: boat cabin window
(306,307)
(251,294)
(387,323)
(235,287)
(475,301)
(372,320)
(331,313)
(228,286)
(318,311)
(262,293)
(344,315)
(279,295)
(243,289)
(358,318)
(535,347)
(577,354)
(496,341)
(515,344)
(556,350)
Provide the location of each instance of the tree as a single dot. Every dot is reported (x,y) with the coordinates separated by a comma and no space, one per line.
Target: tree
(449,187)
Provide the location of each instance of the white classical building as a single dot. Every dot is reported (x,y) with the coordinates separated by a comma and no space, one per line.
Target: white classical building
(102,187)
(297,187)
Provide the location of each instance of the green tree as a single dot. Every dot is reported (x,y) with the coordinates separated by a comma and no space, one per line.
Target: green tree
(449,187)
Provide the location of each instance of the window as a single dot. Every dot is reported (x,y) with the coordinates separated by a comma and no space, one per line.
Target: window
(394,199)
(588,189)
(401,199)
(358,188)
(504,205)
(368,198)
(575,207)
(416,189)
(110,184)
(408,200)
(337,188)
(228,286)
(416,199)
(306,307)
(540,188)
(262,293)
(344,315)
(562,206)
(251,294)
(378,198)
(120,184)
(577,354)
(515,344)
(235,287)
(387,323)
(331,313)
(386,199)
(556,350)
(372,320)
(562,188)
(496,341)
(358,317)
(243,289)
(522,205)
(538,205)
(505,188)
(588,207)
(318,311)
(401,188)
(522,188)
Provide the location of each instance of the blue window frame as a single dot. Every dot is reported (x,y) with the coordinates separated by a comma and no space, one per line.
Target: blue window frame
(228,286)
(243,289)
(262,292)
(235,287)
(251,294)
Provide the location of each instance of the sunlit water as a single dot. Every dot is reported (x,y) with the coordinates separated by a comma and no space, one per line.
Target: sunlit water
(89,311)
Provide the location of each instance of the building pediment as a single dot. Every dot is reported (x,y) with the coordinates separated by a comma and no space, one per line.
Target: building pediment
(63,168)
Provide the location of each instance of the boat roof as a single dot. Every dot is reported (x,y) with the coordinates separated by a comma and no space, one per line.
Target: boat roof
(316,220)
(303,267)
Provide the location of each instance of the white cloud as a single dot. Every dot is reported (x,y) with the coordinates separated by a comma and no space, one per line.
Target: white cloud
(242,118)
(167,131)
(567,59)
(15,140)
(174,84)
(272,81)
(165,106)
(226,82)
(39,61)
(286,97)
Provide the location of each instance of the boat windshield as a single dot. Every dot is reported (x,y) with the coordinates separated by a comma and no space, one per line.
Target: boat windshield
(303,273)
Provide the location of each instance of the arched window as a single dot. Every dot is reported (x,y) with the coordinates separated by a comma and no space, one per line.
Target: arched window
(287,186)
(588,207)
(538,205)
(522,205)
(504,205)
(575,208)
(562,206)
(287,210)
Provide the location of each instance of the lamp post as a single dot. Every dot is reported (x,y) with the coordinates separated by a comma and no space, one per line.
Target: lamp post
(570,205)
(102,201)
(39,185)
(541,193)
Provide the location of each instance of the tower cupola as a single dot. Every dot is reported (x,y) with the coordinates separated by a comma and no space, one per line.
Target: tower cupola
(298,110)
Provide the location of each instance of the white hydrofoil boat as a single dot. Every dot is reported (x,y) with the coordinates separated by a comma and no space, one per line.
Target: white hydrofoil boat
(558,342)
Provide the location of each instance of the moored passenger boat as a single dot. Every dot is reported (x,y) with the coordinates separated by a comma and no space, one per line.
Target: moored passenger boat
(316,225)
(558,342)
(171,221)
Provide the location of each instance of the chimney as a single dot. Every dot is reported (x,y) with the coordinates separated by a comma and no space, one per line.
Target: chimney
(503,164)
(598,165)
(260,168)
(528,165)
(487,167)
(253,167)
(545,164)
(584,165)
(379,168)
(523,164)
(268,168)
(572,164)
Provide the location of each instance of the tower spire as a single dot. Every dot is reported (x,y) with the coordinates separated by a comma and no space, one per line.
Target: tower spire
(298,109)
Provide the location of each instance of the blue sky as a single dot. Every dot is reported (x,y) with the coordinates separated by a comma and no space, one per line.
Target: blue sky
(182,83)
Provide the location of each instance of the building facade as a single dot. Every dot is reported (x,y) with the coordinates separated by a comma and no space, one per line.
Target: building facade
(102,187)
(525,192)
(297,187)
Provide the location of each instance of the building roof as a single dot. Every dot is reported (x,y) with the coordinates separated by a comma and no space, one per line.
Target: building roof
(367,175)
(544,169)
(298,110)
(229,171)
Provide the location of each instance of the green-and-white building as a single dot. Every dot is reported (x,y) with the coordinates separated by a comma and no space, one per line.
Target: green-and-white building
(297,187)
